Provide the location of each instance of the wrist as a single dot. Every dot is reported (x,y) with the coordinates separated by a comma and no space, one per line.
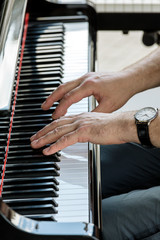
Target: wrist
(135,80)
(128,127)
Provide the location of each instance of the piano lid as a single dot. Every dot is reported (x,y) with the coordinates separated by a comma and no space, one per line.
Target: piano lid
(11,30)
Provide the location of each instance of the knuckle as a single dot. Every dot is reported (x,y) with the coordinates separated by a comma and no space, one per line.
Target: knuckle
(57,130)
(68,99)
(64,139)
(61,88)
(67,96)
(90,82)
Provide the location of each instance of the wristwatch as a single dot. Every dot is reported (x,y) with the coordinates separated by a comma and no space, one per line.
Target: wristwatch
(143,118)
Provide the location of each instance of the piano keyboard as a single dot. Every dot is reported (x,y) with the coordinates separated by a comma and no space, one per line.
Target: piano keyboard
(53,188)
(123,6)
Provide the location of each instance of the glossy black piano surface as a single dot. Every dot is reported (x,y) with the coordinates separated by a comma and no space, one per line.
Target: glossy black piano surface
(47,197)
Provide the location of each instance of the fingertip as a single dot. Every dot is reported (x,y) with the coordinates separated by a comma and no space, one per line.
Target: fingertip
(54,116)
(46,151)
(44,106)
(34,143)
(33,138)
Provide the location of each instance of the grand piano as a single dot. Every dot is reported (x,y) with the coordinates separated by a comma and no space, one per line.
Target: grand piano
(43,44)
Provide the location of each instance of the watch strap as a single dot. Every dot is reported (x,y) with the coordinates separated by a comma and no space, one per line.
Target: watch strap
(143,134)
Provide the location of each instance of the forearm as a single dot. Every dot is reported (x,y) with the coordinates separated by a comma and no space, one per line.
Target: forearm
(144,74)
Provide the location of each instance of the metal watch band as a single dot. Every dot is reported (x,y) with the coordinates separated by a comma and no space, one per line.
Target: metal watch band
(143,134)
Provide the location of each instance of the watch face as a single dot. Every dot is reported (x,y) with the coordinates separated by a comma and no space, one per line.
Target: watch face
(146,114)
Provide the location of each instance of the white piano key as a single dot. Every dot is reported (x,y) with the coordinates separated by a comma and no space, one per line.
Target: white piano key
(73,179)
(72,219)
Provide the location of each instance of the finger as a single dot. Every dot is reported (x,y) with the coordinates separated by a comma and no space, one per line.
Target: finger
(72,97)
(60,92)
(53,136)
(63,142)
(51,127)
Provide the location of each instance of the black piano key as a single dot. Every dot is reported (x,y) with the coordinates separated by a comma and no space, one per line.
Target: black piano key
(2,151)
(4,123)
(41,69)
(47,56)
(29,117)
(19,142)
(28,151)
(42,61)
(39,75)
(27,128)
(21,134)
(31,121)
(31,202)
(3,141)
(27,95)
(35,99)
(39,84)
(52,39)
(49,30)
(35,91)
(33,111)
(31,48)
(24,180)
(57,71)
(3,135)
(28,166)
(48,35)
(58,44)
(33,158)
(42,52)
(32,186)
(41,209)
(37,193)
(4,129)
(43,66)
(31,173)
(44,217)
(32,105)
(43,24)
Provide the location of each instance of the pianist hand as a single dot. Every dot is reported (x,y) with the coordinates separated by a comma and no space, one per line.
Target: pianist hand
(112,90)
(100,128)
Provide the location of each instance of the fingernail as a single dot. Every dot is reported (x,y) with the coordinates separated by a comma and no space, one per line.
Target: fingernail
(34,142)
(33,137)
